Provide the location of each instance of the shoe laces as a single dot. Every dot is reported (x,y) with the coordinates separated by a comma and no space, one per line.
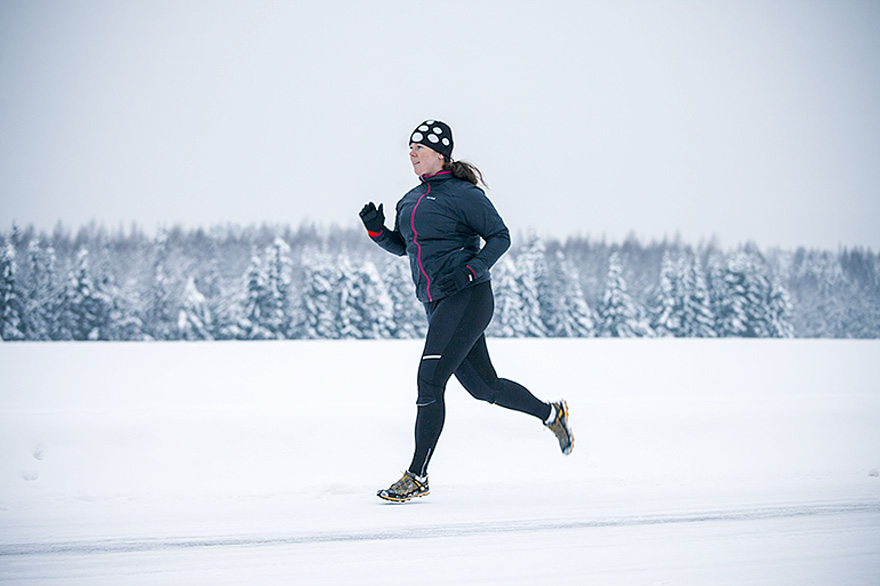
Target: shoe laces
(405,485)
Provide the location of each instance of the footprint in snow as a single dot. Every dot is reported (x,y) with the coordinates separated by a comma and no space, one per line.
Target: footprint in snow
(30,475)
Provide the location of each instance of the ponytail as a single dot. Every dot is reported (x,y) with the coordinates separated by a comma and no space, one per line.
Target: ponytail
(465,171)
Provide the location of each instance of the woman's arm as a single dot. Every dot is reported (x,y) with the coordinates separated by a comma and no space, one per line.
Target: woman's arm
(390,240)
(483,219)
(374,221)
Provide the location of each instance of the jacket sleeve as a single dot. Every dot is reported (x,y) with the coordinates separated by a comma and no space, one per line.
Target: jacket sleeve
(483,219)
(391,240)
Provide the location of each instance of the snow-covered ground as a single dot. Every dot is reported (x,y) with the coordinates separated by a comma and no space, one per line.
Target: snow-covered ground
(696,462)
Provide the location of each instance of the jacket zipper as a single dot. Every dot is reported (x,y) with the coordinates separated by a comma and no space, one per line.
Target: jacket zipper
(419,246)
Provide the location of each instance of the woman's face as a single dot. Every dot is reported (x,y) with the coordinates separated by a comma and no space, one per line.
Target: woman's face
(425,160)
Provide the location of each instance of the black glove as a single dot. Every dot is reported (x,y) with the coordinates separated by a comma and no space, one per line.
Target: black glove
(455,281)
(373,219)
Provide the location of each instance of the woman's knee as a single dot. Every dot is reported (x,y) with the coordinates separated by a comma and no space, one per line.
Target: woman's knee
(431,381)
(478,387)
(484,393)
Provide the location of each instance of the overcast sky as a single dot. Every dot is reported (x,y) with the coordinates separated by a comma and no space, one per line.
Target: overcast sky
(742,120)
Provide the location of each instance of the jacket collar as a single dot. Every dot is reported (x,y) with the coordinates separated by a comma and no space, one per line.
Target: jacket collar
(436,177)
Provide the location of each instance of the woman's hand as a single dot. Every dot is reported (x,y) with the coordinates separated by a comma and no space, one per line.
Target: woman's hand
(455,281)
(373,219)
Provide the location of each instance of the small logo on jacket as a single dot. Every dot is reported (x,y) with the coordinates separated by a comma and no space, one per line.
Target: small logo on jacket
(431,197)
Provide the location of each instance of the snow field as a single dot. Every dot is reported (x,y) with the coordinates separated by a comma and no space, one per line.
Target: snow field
(696,461)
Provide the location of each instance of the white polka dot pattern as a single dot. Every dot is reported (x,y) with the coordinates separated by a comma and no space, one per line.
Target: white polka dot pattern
(434,134)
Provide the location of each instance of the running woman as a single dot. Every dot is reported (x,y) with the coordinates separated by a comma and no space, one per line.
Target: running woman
(439,225)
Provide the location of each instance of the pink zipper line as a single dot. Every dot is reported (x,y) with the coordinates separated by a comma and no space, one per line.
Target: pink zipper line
(419,246)
(416,236)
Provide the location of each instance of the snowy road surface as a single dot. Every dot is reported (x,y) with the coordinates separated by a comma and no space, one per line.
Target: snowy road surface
(696,462)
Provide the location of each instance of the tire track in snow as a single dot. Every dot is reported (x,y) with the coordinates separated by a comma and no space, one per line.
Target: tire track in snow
(112,546)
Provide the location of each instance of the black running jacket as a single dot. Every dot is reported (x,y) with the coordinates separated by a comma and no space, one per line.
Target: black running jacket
(439,225)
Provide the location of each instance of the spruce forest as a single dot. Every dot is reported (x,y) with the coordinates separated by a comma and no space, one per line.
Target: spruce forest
(275,282)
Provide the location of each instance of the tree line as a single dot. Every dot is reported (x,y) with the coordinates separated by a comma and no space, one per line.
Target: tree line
(276,282)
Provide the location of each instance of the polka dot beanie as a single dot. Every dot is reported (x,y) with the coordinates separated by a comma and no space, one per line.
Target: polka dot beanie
(434,134)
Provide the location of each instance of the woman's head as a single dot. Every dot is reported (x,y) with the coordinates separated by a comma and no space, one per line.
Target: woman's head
(430,151)
(430,147)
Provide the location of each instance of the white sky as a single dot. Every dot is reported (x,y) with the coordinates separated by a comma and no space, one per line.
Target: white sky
(746,120)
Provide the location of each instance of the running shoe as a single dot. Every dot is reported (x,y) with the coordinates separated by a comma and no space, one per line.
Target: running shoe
(559,427)
(408,487)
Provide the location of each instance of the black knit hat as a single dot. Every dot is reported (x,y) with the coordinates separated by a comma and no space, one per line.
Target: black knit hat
(434,134)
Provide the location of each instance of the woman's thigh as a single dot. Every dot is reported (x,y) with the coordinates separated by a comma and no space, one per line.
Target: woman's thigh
(455,325)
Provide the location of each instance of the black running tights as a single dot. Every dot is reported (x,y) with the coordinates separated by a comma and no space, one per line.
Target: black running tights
(455,344)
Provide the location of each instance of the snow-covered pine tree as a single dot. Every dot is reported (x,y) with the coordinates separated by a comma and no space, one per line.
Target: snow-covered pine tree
(246,304)
(11,302)
(255,290)
(683,307)
(86,313)
(568,314)
(509,319)
(531,277)
(819,279)
(746,302)
(757,292)
(251,326)
(267,311)
(380,308)
(727,298)
(697,318)
(408,313)
(318,305)
(619,315)
(364,304)
(42,295)
(277,313)
(350,301)
(210,284)
(779,312)
(124,322)
(195,321)
(160,321)
(667,315)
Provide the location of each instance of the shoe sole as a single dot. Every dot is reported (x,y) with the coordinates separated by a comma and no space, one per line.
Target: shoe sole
(568,451)
(392,499)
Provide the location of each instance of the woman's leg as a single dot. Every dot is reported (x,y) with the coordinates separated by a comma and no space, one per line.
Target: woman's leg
(454,325)
(477,375)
